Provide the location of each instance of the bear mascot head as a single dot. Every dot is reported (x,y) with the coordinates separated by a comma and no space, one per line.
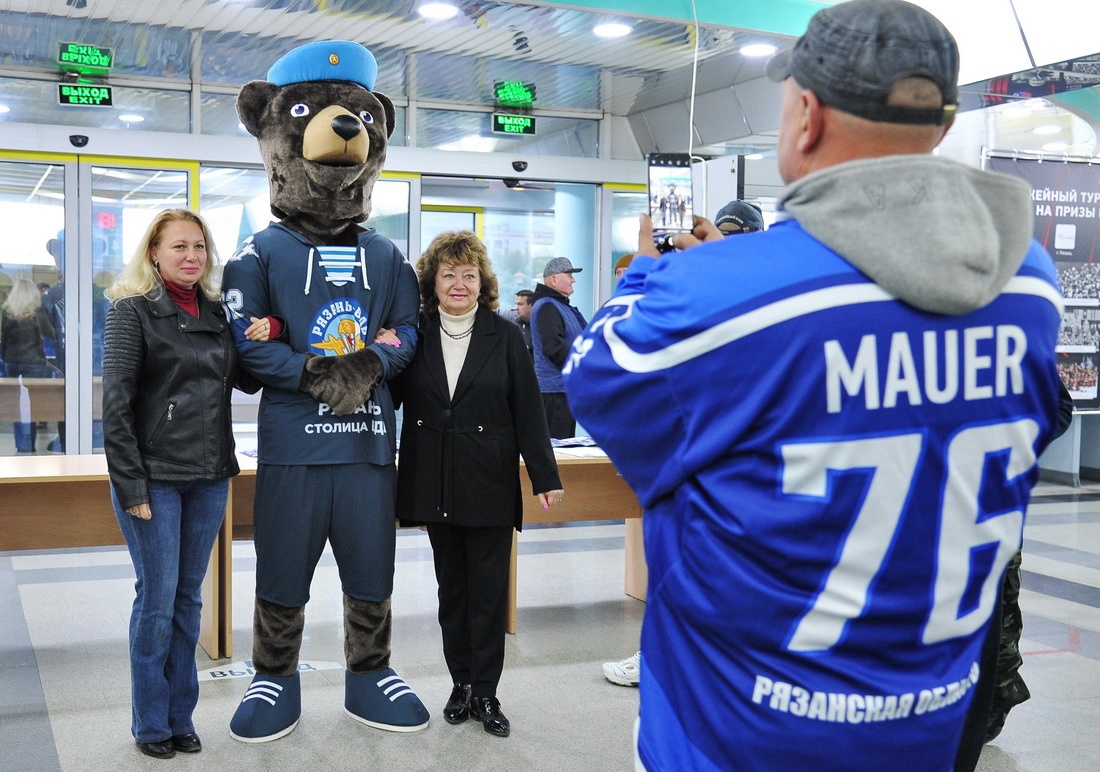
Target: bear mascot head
(323,132)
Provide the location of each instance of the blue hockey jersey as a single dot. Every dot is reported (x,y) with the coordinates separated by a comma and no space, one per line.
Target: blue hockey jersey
(833,480)
(333,301)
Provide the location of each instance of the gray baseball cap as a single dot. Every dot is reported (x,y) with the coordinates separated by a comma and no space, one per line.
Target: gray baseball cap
(559,265)
(853,53)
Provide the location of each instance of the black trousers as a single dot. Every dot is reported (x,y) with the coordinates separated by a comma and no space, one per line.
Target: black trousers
(977,718)
(471,567)
(559,417)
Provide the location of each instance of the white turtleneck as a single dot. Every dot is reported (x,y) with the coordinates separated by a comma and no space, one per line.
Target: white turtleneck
(454,351)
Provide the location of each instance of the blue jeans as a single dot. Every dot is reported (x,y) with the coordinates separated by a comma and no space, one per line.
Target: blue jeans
(26,434)
(170,554)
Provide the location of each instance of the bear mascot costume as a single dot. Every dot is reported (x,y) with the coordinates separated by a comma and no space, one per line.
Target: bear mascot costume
(326,434)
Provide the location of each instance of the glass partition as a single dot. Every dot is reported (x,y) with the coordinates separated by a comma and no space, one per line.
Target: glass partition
(124,202)
(32,308)
(523,226)
(626,206)
(436,221)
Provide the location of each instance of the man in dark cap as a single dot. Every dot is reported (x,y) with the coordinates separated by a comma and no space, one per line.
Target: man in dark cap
(833,425)
(739,217)
(555,323)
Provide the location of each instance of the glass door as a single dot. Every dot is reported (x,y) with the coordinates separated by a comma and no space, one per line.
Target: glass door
(32,355)
(73,223)
(122,201)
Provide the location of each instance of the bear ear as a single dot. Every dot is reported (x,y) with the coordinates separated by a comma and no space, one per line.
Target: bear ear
(391,115)
(254,98)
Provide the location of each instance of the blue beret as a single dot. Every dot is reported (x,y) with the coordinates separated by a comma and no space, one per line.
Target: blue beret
(326,60)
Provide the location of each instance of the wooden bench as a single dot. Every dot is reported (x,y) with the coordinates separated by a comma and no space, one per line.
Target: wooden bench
(54,502)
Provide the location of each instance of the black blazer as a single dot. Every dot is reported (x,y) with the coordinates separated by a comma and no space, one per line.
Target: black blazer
(459,459)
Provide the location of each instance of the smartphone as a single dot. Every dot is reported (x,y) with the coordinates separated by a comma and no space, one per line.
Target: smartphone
(670,199)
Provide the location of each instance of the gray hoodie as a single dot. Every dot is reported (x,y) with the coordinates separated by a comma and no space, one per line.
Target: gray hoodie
(941,236)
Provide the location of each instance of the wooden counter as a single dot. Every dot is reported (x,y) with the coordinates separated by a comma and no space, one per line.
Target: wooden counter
(42,398)
(53,502)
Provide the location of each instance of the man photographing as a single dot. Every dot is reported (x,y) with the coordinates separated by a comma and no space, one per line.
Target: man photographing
(833,425)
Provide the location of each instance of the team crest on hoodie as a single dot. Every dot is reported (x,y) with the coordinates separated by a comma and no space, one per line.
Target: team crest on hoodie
(339,328)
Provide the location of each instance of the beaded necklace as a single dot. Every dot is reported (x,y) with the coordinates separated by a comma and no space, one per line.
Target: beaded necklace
(460,335)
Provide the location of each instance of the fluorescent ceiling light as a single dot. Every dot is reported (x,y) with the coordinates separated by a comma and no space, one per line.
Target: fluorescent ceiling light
(758,49)
(612,29)
(754,157)
(988,36)
(437,11)
(1047,129)
(1056,147)
(5,109)
(473,144)
(131,118)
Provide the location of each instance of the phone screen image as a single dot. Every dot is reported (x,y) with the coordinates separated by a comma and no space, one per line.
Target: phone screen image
(670,198)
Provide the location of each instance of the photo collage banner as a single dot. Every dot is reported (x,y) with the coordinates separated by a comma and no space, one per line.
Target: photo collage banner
(1066,201)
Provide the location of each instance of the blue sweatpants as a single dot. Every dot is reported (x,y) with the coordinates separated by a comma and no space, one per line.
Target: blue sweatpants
(298,508)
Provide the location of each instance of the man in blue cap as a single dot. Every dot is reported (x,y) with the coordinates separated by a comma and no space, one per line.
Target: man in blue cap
(833,425)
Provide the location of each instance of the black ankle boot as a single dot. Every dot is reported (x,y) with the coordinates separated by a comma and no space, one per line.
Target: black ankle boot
(457,708)
(487,711)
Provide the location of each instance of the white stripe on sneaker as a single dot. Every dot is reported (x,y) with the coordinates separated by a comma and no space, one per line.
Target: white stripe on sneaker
(259,690)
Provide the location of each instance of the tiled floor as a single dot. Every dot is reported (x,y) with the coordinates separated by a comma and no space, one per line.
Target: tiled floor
(64,691)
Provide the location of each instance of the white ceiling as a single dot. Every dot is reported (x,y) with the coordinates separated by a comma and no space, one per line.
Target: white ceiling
(648,76)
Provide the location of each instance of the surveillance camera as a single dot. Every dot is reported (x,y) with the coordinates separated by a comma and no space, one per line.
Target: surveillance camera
(519,166)
(78,140)
(510,182)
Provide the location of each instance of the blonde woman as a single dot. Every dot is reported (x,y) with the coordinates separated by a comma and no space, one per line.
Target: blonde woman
(24,325)
(169,368)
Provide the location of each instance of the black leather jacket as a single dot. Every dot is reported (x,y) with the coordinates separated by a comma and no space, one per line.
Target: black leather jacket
(167,381)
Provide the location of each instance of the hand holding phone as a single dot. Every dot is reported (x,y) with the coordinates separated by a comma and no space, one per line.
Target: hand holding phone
(670,197)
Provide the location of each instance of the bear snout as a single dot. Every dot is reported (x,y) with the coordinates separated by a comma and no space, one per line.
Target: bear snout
(346,126)
(335,137)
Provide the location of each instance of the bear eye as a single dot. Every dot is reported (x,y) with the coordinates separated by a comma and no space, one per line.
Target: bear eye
(366,117)
(299,111)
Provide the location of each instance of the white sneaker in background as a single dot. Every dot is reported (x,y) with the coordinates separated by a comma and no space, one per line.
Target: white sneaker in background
(625,673)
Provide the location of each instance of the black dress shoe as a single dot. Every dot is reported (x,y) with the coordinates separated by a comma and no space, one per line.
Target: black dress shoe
(161,750)
(487,711)
(187,743)
(457,708)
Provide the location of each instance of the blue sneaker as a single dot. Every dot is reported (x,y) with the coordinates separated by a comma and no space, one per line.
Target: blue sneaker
(270,709)
(383,700)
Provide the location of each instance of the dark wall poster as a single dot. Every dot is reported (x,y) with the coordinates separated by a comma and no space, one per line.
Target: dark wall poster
(1065,197)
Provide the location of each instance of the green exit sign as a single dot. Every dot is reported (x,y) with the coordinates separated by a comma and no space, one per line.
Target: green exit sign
(83,95)
(514,93)
(513,124)
(84,58)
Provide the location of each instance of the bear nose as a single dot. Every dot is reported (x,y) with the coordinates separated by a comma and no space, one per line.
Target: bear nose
(346,126)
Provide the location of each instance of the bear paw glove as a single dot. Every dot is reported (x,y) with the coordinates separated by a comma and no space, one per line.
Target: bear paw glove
(343,382)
